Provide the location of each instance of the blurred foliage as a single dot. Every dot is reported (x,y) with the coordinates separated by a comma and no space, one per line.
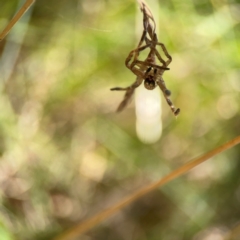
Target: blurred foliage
(66,154)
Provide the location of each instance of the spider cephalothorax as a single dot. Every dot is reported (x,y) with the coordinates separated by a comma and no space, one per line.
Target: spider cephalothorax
(149,82)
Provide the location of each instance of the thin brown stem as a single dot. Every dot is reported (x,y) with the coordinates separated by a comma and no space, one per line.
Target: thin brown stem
(18,15)
(98,218)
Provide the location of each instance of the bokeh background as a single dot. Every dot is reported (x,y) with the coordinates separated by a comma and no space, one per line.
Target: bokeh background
(66,154)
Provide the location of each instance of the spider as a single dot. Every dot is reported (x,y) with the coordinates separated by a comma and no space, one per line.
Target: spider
(147,70)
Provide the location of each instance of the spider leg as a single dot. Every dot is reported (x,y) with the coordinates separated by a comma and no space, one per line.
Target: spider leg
(153,44)
(147,16)
(164,50)
(161,83)
(166,53)
(147,28)
(151,65)
(160,58)
(142,38)
(166,94)
(130,56)
(162,86)
(133,86)
(129,92)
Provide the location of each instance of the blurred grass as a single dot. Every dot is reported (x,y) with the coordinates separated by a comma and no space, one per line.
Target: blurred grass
(65,153)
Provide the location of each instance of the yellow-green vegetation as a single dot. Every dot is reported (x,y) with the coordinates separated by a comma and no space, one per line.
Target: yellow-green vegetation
(66,154)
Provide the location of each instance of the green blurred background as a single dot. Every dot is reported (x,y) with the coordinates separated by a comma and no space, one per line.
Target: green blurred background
(66,154)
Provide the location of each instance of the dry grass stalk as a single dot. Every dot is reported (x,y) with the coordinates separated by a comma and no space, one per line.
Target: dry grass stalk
(15,19)
(98,218)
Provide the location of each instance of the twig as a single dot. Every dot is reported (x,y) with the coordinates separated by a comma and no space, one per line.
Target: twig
(18,15)
(91,222)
